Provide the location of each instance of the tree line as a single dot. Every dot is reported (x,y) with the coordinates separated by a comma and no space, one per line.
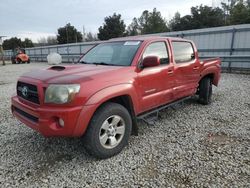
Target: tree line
(231,12)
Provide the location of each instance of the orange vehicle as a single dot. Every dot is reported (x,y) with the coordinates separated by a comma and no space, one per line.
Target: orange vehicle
(20,57)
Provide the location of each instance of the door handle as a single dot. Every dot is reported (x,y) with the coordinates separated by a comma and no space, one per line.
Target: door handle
(196,68)
(170,71)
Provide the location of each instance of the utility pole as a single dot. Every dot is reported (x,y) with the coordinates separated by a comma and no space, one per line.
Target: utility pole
(1,49)
(83,33)
(67,35)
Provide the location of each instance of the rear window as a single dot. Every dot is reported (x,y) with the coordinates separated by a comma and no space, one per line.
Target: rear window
(183,51)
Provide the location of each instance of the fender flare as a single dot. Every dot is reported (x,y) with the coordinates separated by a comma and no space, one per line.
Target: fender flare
(211,70)
(100,97)
(110,92)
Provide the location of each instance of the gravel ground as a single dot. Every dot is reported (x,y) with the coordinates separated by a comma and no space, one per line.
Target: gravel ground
(189,146)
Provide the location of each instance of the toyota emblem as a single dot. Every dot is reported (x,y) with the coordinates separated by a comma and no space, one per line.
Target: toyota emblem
(25,91)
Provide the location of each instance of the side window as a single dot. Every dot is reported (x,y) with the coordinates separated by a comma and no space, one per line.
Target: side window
(183,51)
(157,49)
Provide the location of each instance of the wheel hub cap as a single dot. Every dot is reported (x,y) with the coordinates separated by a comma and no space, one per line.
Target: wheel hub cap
(112,131)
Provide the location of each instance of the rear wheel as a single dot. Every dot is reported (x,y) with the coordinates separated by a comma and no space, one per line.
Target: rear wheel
(109,130)
(28,61)
(205,91)
(13,60)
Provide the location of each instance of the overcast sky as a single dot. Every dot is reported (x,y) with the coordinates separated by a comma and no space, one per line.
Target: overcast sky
(35,19)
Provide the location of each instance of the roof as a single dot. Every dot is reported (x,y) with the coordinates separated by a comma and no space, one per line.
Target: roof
(142,38)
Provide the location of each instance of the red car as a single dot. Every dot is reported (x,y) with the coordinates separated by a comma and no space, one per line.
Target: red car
(115,83)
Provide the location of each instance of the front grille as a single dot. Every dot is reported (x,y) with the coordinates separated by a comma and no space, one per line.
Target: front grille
(28,92)
(28,116)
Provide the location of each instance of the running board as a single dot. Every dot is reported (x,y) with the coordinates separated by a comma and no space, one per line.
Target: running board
(153,115)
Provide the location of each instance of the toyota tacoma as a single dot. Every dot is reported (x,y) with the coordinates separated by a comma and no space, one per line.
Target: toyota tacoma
(115,83)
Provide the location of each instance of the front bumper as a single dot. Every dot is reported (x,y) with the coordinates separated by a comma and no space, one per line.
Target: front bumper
(46,119)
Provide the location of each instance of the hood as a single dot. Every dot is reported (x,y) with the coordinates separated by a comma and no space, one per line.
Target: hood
(71,73)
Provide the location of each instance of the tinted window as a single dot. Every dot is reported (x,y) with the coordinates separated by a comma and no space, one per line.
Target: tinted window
(183,51)
(157,49)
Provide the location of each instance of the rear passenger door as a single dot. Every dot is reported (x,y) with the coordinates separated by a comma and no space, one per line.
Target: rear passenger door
(186,71)
(156,83)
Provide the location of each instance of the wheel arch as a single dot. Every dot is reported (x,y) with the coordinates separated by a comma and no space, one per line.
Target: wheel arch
(209,75)
(126,98)
(19,59)
(126,101)
(211,72)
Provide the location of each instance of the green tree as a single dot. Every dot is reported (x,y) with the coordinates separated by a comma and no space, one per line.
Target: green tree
(152,22)
(227,6)
(147,23)
(201,17)
(134,28)
(27,43)
(236,11)
(179,23)
(205,16)
(240,13)
(12,43)
(113,27)
(68,34)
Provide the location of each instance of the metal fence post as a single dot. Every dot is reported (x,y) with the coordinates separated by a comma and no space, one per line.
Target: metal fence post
(35,59)
(68,53)
(41,54)
(231,49)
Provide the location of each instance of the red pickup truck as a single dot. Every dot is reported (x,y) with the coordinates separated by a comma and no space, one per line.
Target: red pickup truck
(114,84)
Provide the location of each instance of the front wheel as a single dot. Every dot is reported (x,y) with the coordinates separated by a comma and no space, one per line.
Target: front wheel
(109,130)
(205,91)
(18,61)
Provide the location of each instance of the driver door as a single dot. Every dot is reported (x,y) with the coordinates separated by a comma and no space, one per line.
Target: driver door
(156,83)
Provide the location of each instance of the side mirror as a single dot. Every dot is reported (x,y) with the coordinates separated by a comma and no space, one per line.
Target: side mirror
(192,56)
(151,61)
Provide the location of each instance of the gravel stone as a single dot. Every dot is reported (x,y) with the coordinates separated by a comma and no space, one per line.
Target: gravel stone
(191,145)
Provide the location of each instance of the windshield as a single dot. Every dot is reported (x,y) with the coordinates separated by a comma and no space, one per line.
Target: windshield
(112,53)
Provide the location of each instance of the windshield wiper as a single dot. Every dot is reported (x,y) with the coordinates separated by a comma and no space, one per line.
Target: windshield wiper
(103,63)
(84,62)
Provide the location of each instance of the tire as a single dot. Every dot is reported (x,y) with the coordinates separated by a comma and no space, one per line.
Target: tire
(112,124)
(18,61)
(13,61)
(205,91)
(28,61)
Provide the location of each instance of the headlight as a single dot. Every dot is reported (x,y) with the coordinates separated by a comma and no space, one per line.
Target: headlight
(60,94)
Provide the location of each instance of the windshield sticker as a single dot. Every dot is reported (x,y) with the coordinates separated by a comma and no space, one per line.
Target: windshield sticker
(131,43)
